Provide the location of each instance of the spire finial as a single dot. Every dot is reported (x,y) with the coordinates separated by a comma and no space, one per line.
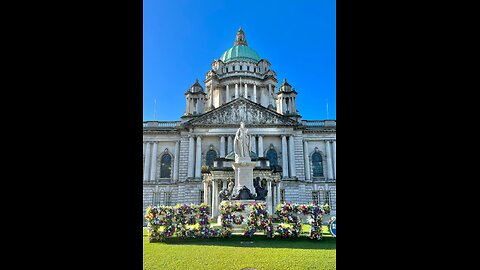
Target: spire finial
(284,80)
(240,38)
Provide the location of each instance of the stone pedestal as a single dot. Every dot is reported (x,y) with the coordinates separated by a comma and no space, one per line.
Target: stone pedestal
(244,174)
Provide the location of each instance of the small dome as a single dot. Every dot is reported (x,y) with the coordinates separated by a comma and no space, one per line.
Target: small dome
(240,52)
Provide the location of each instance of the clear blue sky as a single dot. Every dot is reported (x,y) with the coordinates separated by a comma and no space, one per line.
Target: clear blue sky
(183,37)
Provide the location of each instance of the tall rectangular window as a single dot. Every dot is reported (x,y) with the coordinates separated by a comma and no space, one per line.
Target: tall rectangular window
(327,197)
(282,195)
(168,198)
(156,199)
(200,199)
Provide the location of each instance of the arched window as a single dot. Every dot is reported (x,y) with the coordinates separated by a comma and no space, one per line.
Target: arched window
(210,157)
(317,163)
(272,157)
(166,165)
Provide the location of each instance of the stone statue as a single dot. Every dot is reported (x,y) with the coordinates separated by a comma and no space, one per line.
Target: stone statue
(227,192)
(261,192)
(241,144)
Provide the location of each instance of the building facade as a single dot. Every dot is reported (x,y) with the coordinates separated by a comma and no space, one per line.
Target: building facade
(189,161)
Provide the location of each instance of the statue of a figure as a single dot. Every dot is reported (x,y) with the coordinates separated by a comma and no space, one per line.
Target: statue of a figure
(261,192)
(241,144)
(227,192)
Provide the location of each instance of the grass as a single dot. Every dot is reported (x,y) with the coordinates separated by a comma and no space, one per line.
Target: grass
(239,252)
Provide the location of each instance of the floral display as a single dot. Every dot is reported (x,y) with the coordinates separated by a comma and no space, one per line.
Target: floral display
(157,217)
(227,210)
(292,224)
(185,221)
(192,221)
(259,219)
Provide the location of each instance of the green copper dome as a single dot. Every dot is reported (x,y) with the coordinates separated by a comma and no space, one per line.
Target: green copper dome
(240,52)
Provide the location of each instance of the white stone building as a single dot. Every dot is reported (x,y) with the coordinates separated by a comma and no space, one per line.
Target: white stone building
(188,161)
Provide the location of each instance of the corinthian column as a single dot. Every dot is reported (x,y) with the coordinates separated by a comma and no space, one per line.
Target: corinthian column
(329,160)
(175,162)
(198,158)
(307,160)
(153,172)
(335,159)
(260,145)
(191,151)
(246,91)
(222,146)
(146,168)
(255,93)
(227,98)
(229,145)
(284,157)
(236,91)
(214,197)
(293,171)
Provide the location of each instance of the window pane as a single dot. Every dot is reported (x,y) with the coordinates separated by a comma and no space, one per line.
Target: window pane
(166,166)
(317,165)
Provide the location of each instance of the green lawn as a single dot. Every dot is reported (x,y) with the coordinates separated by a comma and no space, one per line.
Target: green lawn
(238,252)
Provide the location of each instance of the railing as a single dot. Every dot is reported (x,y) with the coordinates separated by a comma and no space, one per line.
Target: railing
(320,123)
(167,124)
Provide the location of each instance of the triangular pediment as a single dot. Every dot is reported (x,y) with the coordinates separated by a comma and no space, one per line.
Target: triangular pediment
(242,110)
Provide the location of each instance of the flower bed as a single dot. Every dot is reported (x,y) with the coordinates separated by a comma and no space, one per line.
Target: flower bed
(192,221)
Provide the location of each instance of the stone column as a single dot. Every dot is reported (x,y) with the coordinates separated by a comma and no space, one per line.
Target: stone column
(335,159)
(219,96)
(175,162)
(209,195)
(214,198)
(191,151)
(153,170)
(146,169)
(222,146)
(205,192)
(187,105)
(269,196)
(144,148)
(255,93)
(270,96)
(227,98)
(260,146)
(329,160)
(211,95)
(284,157)
(307,160)
(294,105)
(291,146)
(236,91)
(198,158)
(246,91)
(253,143)
(229,145)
